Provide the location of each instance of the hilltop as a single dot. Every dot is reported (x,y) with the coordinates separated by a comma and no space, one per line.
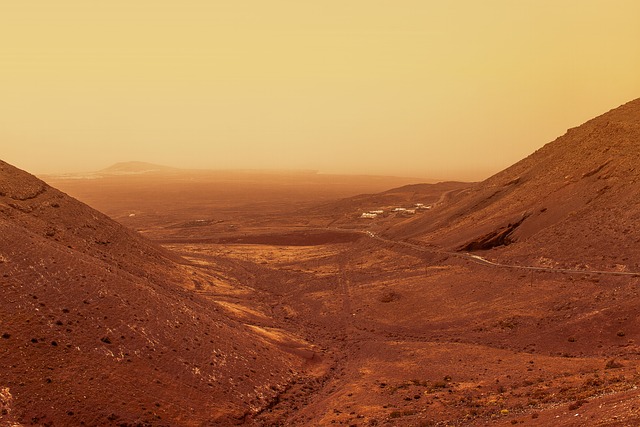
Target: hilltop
(134,167)
(573,202)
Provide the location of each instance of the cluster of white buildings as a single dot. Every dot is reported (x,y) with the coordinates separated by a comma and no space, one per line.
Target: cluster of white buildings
(402,211)
(371,214)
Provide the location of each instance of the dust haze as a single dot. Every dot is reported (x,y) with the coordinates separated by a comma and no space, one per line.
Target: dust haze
(433,91)
(250,298)
(319,213)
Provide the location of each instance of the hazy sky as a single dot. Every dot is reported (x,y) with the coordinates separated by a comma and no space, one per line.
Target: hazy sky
(437,89)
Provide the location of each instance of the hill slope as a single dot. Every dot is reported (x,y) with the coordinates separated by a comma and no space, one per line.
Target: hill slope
(98,326)
(573,202)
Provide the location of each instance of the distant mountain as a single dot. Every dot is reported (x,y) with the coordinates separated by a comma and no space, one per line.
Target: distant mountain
(573,202)
(124,168)
(99,326)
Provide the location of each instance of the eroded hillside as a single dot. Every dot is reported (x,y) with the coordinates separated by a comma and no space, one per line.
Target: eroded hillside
(101,327)
(574,202)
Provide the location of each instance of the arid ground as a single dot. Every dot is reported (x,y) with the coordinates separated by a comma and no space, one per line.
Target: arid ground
(267,299)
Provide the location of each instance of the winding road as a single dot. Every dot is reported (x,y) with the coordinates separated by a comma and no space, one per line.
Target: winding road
(425,249)
(483,261)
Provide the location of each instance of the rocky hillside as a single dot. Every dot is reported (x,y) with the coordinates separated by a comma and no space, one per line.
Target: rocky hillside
(101,327)
(574,202)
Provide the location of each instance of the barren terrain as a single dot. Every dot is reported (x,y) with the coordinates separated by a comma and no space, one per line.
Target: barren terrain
(272,301)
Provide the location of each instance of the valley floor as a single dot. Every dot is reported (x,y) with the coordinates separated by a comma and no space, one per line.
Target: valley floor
(394,336)
(390,334)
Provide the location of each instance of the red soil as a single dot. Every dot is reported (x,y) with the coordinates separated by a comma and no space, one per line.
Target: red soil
(261,309)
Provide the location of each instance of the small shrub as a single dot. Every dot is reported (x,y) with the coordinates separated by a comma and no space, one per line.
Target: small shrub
(577,404)
(613,364)
(389,297)
(507,323)
(593,382)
